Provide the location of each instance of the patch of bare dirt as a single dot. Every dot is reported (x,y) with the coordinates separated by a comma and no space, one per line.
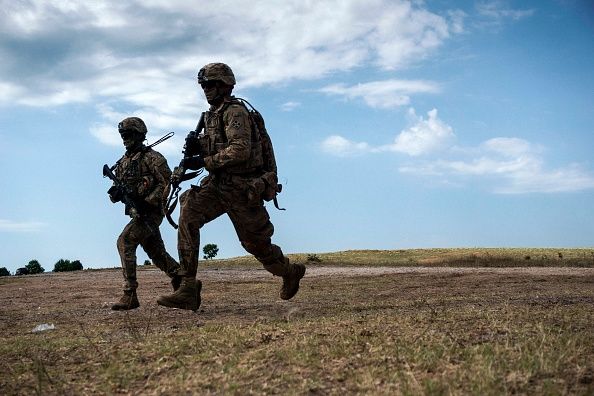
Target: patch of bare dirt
(84,297)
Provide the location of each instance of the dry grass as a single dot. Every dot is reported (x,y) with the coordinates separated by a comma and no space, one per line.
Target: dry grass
(413,333)
(458,257)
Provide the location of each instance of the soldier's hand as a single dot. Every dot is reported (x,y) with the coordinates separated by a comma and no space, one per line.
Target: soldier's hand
(177,174)
(134,213)
(194,163)
(115,194)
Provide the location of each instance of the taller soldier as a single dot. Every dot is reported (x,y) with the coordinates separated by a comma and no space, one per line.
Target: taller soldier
(231,152)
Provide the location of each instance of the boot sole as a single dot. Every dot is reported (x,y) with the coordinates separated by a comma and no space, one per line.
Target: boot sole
(124,307)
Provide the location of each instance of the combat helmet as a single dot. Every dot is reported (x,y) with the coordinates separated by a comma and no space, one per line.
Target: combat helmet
(216,72)
(132,124)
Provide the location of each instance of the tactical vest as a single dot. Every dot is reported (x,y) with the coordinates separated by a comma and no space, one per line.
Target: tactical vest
(135,174)
(261,161)
(261,151)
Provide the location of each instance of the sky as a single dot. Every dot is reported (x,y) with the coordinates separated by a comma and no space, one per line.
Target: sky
(396,124)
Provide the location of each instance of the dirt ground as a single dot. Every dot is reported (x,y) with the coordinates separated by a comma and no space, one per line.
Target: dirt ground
(77,304)
(84,297)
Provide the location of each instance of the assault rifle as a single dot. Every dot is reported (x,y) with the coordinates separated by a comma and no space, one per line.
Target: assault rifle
(191,149)
(121,192)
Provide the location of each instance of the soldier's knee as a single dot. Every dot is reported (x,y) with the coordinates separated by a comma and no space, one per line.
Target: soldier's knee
(121,243)
(258,248)
(264,251)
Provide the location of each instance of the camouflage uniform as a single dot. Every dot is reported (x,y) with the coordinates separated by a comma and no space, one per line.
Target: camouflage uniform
(234,186)
(146,175)
(229,188)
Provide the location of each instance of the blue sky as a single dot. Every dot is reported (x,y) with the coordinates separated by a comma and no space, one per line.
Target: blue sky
(395,124)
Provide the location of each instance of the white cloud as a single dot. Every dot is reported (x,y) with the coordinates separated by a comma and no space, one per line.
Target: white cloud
(290,106)
(143,56)
(61,52)
(9,91)
(383,94)
(423,137)
(64,95)
(107,134)
(26,226)
(511,166)
(341,147)
(497,12)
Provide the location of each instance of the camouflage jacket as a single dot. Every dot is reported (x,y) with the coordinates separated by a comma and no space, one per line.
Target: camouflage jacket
(229,143)
(146,175)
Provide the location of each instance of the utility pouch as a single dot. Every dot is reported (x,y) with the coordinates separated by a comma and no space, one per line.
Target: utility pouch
(271,186)
(255,191)
(204,145)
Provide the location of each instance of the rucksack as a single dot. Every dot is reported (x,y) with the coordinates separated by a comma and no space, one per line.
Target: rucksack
(260,134)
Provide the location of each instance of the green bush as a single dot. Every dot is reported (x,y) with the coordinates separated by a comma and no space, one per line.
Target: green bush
(63,265)
(34,267)
(4,272)
(22,271)
(210,251)
(147,262)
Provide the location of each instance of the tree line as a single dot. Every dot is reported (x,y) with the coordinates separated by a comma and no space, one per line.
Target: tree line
(210,251)
(34,267)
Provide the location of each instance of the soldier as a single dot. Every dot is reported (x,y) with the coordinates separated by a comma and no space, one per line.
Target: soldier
(232,154)
(145,175)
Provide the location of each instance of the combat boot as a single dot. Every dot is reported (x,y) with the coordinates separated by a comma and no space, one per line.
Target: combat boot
(128,301)
(291,281)
(176,281)
(186,297)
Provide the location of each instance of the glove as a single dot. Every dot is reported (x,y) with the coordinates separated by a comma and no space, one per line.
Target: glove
(115,194)
(177,174)
(194,163)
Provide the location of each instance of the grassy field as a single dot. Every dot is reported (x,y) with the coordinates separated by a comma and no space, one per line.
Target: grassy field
(431,331)
(461,257)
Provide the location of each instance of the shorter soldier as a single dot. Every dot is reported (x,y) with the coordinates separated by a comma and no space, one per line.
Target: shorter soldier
(144,177)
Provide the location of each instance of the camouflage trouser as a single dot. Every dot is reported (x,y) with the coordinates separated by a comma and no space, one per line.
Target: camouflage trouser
(145,233)
(200,205)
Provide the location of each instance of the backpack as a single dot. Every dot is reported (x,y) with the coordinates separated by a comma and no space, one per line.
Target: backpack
(260,134)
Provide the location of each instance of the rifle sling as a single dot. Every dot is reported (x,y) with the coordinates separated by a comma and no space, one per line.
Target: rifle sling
(190,175)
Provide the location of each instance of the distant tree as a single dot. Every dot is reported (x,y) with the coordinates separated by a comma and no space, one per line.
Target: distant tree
(4,272)
(63,265)
(22,271)
(34,267)
(147,262)
(210,251)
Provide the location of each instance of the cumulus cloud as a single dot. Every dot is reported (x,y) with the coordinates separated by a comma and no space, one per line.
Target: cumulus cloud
(107,132)
(341,147)
(25,226)
(423,137)
(382,94)
(143,56)
(511,165)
